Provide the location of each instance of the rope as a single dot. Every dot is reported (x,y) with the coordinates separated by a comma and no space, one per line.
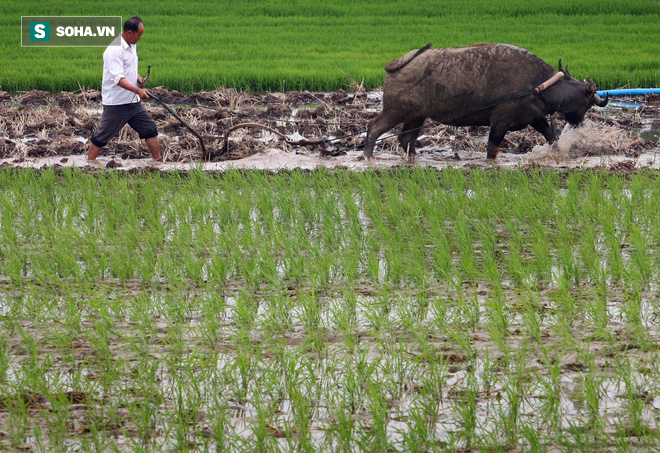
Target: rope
(159,100)
(538,90)
(436,123)
(552,123)
(267,118)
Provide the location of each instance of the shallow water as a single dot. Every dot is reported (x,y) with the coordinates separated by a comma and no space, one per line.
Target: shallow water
(584,147)
(275,159)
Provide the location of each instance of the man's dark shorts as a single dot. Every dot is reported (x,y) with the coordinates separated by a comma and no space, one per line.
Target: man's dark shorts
(114,117)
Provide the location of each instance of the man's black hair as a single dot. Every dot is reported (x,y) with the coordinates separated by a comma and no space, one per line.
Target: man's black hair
(132,24)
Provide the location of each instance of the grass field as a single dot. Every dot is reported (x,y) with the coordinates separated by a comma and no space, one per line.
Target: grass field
(411,309)
(300,44)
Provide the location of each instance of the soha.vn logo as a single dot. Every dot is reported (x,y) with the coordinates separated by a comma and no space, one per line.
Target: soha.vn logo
(39,31)
(70,31)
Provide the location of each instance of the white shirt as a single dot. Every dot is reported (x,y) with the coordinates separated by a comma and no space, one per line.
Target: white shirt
(119,62)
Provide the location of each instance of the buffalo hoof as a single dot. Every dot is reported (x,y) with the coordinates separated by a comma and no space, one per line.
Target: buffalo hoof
(493,155)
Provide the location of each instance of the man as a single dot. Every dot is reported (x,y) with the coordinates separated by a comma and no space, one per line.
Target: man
(121,93)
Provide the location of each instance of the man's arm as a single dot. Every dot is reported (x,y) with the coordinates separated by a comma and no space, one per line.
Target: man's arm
(125,84)
(115,65)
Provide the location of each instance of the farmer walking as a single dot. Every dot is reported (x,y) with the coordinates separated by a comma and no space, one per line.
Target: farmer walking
(121,94)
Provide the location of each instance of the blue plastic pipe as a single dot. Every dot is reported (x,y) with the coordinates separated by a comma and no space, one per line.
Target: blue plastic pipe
(630,92)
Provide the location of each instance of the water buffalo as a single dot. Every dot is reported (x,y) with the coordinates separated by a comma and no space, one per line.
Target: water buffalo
(483,85)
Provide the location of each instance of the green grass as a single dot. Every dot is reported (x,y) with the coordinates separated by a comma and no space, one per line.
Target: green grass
(407,309)
(275,45)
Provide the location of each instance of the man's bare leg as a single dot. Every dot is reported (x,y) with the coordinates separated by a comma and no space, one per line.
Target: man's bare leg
(93,151)
(154,147)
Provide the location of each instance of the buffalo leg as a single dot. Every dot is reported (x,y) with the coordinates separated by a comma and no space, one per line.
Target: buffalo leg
(495,137)
(409,133)
(542,126)
(377,127)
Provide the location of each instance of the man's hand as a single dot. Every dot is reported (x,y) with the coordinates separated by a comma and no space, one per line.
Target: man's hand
(125,84)
(144,94)
(140,81)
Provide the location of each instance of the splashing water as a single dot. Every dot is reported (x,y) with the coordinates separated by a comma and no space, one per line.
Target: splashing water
(569,137)
(589,139)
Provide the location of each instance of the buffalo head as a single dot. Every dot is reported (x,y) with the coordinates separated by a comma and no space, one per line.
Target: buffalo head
(573,98)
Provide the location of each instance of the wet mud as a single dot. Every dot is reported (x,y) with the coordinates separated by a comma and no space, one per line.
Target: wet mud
(40,129)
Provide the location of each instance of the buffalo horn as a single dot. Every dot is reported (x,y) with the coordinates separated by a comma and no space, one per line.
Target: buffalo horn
(600,102)
(567,75)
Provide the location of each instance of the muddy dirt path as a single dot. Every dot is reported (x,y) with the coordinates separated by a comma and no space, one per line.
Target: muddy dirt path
(38,129)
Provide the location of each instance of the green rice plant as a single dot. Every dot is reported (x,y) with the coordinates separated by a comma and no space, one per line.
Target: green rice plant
(466,247)
(244,312)
(344,317)
(632,309)
(420,306)
(311,321)
(303,414)
(614,256)
(343,428)
(213,310)
(187,404)
(569,264)
(461,338)
(497,326)
(633,398)
(220,424)
(490,253)
(553,394)
(396,371)
(641,253)
(358,371)
(441,263)
(588,253)
(4,357)
(378,312)
(531,312)
(470,308)
(419,433)
(596,307)
(509,413)
(259,440)
(593,394)
(245,365)
(533,437)
(377,434)
(565,300)
(439,312)
(466,402)
(284,342)
(18,423)
(32,363)
(57,418)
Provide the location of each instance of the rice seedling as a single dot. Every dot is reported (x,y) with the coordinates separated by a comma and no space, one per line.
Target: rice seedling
(410,309)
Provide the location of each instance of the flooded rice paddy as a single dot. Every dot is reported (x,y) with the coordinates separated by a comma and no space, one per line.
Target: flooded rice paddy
(488,306)
(405,310)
